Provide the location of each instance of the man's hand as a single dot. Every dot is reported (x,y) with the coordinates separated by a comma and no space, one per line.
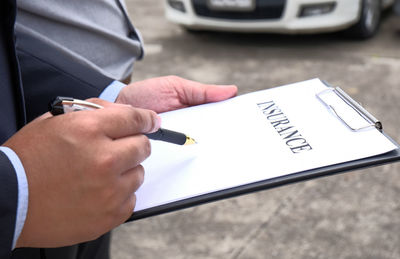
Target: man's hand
(171,92)
(82,169)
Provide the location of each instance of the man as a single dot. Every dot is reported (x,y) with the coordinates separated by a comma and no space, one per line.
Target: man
(71,178)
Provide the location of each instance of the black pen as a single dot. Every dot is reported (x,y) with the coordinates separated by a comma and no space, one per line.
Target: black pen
(61,105)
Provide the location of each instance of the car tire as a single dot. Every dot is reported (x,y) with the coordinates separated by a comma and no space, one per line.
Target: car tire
(370,19)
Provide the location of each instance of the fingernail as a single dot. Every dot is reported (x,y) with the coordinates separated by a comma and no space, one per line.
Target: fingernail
(158,123)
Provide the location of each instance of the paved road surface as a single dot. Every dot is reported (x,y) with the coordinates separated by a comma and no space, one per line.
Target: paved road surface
(354,215)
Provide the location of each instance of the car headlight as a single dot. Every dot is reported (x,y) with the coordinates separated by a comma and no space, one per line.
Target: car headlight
(316,9)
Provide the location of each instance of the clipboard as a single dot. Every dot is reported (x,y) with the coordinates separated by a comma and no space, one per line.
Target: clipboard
(370,121)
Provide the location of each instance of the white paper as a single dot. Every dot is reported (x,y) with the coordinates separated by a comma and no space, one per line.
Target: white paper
(238,145)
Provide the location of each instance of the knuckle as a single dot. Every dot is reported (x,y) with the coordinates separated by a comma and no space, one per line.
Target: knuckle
(136,115)
(144,120)
(139,175)
(111,221)
(127,208)
(173,78)
(174,81)
(78,130)
(138,118)
(107,196)
(89,126)
(141,149)
(131,206)
(146,147)
(106,162)
(121,213)
(116,213)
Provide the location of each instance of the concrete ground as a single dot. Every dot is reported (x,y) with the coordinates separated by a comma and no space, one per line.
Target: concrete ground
(352,215)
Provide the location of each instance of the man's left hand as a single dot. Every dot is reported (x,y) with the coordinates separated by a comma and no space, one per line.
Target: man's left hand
(169,93)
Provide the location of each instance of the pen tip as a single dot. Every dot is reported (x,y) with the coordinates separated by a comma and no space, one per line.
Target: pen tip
(190,141)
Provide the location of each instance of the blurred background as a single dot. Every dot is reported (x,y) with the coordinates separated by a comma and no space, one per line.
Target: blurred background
(352,215)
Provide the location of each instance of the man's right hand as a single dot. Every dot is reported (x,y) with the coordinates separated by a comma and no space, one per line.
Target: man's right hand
(83,169)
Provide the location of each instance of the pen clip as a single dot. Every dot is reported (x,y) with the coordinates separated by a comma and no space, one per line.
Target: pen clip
(61,105)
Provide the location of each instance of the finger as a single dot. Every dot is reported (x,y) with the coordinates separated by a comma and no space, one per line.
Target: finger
(131,180)
(197,93)
(216,93)
(124,120)
(124,211)
(130,151)
(128,184)
(128,207)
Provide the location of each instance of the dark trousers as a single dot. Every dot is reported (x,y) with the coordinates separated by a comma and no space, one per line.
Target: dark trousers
(397,7)
(96,249)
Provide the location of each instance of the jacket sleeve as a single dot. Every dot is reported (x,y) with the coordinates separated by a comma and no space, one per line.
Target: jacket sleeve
(8,205)
(47,72)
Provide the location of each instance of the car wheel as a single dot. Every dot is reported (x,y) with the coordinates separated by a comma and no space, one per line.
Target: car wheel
(369,21)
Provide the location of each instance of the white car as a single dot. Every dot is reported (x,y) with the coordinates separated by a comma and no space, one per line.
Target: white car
(362,17)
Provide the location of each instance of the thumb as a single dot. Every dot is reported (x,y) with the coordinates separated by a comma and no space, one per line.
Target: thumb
(215,93)
(203,93)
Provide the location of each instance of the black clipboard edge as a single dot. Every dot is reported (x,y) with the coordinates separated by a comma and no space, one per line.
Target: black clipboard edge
(386,158)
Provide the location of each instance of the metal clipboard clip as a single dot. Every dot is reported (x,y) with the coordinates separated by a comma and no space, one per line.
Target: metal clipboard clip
(370,121)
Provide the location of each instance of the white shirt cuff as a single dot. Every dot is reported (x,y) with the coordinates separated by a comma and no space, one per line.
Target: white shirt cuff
(111,92)
(23,192)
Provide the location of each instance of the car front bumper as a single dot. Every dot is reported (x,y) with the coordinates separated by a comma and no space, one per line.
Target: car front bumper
(344,14)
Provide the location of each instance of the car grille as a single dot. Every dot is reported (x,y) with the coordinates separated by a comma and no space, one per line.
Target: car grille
(265,9)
